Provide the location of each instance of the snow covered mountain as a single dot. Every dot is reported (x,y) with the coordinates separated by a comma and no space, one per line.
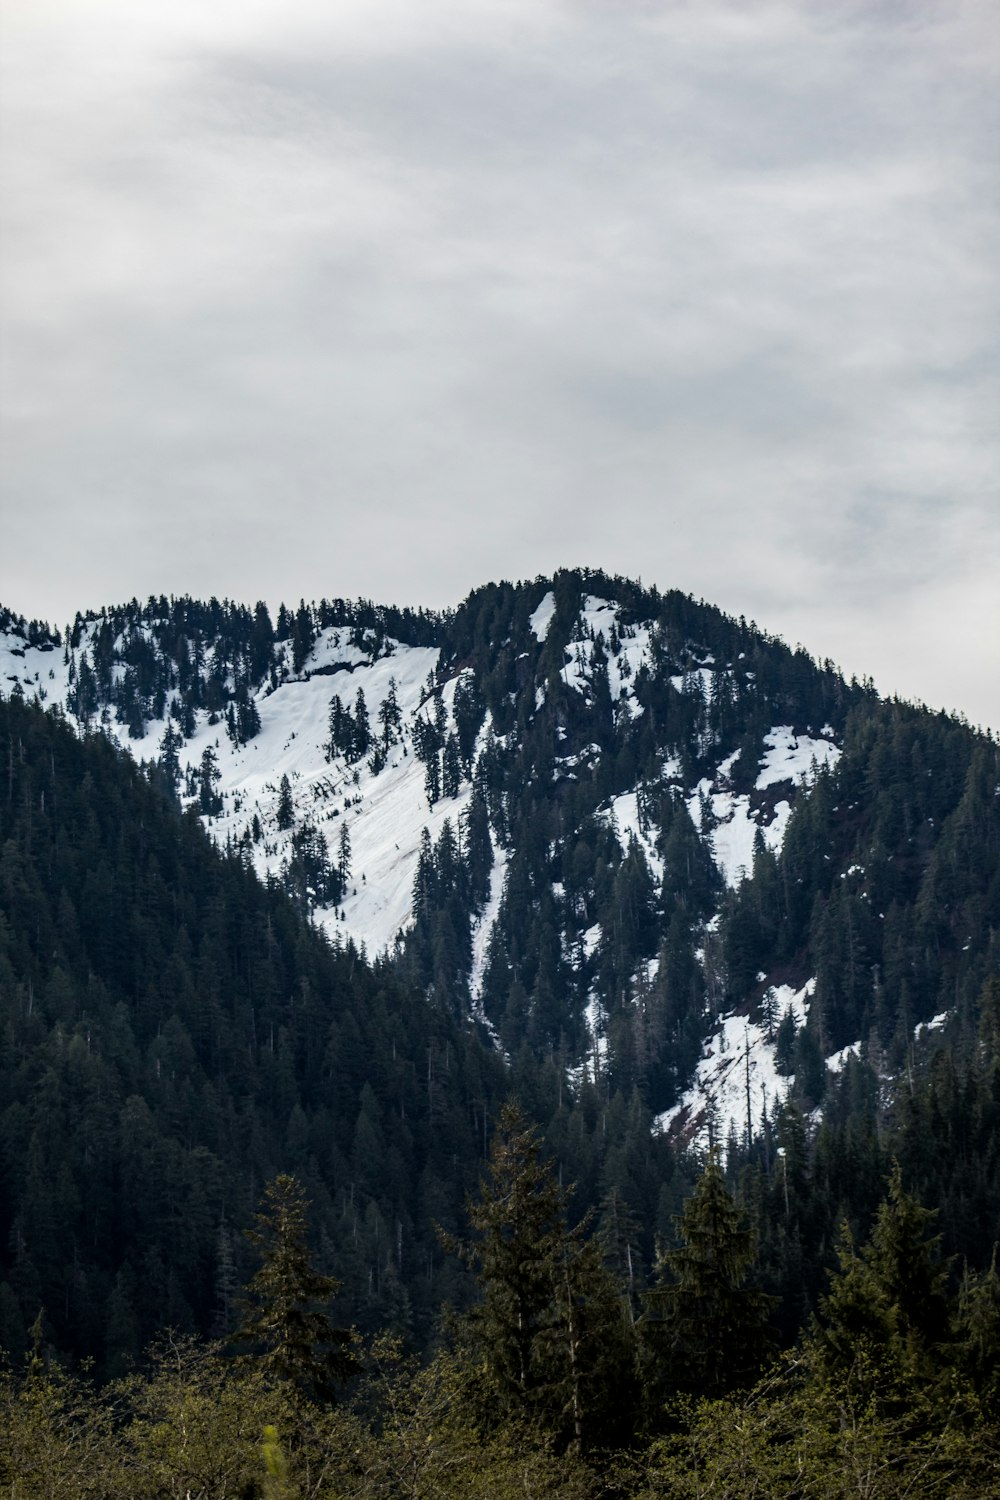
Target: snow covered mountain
(557,805)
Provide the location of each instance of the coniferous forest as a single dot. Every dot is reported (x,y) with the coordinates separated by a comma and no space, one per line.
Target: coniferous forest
(280,1217)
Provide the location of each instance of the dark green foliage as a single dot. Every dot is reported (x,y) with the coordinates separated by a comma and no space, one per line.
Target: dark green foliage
(554,1324)
(172,1034)
(286,807)
(706,1323)
(285,1321)
(887,1308)
(170,1040)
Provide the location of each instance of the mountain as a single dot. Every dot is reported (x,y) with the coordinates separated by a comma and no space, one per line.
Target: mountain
(568,805)
(172,1035)
(645,864)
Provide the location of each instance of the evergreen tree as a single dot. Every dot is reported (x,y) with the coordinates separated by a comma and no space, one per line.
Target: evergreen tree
(170,765)
(432,779)
(261,643)
(285,1321)
(553,1324)
(362,728)
(478,845)
(389,715)
(344,856)
(979,1333)
(209,801)
(706,1322)
(303,635)
(286,807)
(451,768)
(341,741)
(887,1313)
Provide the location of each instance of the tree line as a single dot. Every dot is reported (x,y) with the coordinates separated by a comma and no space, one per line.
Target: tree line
(554,1384)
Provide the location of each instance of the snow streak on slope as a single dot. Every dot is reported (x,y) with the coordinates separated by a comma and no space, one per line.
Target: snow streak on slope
(385,813)
(736,818)
(39,671)
(542,617)
(600,617)
(737,1058)
(624,817)
(483,927)
(790,757)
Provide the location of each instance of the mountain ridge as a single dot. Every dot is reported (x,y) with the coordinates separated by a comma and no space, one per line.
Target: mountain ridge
(626,710)
(667,880)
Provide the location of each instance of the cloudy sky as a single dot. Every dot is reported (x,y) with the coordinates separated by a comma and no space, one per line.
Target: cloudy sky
(393,297)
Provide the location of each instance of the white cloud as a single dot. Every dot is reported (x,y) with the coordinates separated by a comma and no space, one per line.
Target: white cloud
(396,297)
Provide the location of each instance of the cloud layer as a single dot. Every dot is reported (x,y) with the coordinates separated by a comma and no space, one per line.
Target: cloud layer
(393,298)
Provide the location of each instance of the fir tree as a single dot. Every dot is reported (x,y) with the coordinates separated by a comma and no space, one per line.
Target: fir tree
(303,635)
(887,1312)
(344,856)
(285,1321)
(451,768)
(706,1324)
(362,728)
(553,1324)
(209,801)
(389,716)
(170,764)
(432,779)
(286,807)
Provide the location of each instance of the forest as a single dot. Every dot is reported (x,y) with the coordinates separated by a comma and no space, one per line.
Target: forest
(278,1218)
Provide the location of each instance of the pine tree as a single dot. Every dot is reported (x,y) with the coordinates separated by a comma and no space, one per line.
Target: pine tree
(451,768)
(478,845)
(432,779)
(170,764)
(979,1333)
(887,1312)
(553,1324)
(706,1324)
(286,808)
(341,729)
(362,728)
(261,642)
(284,1320)
(389,715)
(209,801)
(344,856)
(303,635)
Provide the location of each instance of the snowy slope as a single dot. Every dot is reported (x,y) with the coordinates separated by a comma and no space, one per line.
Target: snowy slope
(384,807)
(385,812)
(736,1074)
(735,819)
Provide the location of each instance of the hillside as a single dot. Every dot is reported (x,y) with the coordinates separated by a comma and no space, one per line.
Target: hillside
(648,868)
(569,806)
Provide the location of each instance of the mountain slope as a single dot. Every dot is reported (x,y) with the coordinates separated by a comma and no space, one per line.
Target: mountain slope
(569,807)
(172,1034)
(651,870)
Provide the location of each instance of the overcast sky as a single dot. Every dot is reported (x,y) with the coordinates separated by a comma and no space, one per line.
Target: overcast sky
(394,297)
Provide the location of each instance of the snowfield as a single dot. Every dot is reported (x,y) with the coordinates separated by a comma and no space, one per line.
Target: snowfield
(736,1073)
(734,822)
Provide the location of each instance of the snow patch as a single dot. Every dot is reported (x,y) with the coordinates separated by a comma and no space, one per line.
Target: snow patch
(837,1060)
(739,1056)
(790,757)
(483,928)
(624,817)
(787,758)
(936,1023)
(590,939)
(541,618)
